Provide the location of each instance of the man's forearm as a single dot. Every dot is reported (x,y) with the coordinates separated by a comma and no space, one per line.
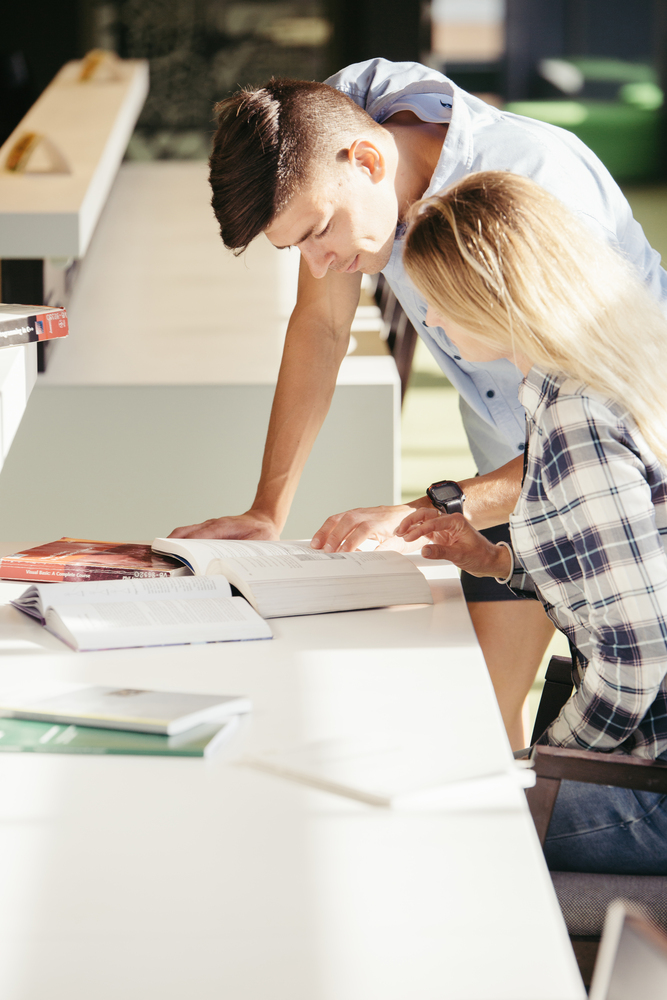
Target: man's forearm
(305,387)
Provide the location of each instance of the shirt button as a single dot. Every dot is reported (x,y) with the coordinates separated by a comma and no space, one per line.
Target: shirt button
(457,357)
(522,446)
(490,393)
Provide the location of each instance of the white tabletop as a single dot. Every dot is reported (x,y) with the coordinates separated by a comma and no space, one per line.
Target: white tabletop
(171,877)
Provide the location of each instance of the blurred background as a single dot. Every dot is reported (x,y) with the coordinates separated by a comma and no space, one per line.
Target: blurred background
(594,66)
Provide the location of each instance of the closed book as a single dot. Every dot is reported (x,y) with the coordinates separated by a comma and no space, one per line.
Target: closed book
(24,736)
(165,712)
(75,560)
(29,324)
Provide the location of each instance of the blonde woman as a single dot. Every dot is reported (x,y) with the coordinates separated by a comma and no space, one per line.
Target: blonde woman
(508,272)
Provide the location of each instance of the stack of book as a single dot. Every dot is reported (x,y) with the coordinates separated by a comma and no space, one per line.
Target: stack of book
(105,720)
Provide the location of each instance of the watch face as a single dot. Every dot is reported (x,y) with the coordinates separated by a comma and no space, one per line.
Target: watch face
(446,492)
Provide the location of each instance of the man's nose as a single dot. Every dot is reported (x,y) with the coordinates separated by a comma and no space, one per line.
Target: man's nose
(317,261)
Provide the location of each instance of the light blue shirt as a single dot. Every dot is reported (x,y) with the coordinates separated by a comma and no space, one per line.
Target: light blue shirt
(481,137)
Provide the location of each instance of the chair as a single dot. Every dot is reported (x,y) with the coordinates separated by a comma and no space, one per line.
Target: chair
(632,960)
(585,897)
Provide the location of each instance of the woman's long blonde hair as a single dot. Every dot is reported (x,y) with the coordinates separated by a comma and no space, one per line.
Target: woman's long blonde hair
(507,261)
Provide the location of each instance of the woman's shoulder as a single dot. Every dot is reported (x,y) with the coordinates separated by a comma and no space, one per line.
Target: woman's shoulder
(557,403)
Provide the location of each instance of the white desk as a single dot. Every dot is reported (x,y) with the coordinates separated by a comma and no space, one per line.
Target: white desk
(154,413)
(146,878)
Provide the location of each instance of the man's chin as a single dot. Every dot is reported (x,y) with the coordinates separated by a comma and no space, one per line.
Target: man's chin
(375,263)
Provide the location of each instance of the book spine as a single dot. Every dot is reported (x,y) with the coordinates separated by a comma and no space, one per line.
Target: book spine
(77,574)
(70,573)
(48,325)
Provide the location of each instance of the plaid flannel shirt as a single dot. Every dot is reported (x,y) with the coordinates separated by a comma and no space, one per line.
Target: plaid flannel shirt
(589,535)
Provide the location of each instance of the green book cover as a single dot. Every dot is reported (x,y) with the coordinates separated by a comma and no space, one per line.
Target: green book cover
(22,735)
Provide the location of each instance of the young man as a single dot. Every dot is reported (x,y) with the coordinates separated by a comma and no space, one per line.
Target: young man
(332,169)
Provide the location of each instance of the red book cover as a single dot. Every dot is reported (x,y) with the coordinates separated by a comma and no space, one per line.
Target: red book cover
(27,324)
(74,560)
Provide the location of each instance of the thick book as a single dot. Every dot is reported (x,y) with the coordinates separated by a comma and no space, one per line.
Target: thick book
(165,712)
(29,324)
(117,614)
(73,560)
(22,735)
(289,578)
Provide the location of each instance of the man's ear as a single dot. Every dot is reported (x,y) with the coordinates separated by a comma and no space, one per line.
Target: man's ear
(365,155)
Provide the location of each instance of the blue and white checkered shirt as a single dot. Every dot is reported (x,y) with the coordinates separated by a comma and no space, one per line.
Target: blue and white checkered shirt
(589,535)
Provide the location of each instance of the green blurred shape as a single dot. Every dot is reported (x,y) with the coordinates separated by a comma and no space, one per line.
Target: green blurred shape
(567,114)
(614,70)
(625,136)
(648,96)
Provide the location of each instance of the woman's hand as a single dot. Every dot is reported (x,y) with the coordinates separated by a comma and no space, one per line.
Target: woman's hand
(346,532)
(454,538)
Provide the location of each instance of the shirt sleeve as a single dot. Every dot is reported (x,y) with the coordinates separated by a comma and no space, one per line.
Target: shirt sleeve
(613,555)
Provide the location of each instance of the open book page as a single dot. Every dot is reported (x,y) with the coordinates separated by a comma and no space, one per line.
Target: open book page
(36,599)
(291,578)
(278,560)
(121,624)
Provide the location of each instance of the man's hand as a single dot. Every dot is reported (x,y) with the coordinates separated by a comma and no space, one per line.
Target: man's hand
(345,532)
(454,538)
(248,525)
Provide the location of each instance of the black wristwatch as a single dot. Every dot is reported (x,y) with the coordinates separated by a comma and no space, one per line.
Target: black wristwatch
(446,496)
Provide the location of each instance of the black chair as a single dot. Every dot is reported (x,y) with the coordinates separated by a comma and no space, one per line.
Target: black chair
(585,897)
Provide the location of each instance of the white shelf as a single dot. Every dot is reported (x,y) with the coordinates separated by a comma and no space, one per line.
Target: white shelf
(54,215)
(18,372)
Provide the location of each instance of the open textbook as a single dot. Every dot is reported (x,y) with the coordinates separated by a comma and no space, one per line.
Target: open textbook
(290,578)
(115,614)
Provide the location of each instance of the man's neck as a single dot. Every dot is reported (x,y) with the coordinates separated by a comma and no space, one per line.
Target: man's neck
(418,145)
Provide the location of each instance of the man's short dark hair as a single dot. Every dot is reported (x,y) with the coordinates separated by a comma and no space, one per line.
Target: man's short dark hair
(266,142)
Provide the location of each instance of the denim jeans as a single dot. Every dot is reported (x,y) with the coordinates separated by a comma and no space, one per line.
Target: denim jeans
(597,828)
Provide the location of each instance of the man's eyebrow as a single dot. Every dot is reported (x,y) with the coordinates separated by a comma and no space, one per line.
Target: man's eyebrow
(302,240)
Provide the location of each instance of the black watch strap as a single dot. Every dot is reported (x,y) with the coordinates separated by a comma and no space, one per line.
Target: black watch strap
(452,506)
